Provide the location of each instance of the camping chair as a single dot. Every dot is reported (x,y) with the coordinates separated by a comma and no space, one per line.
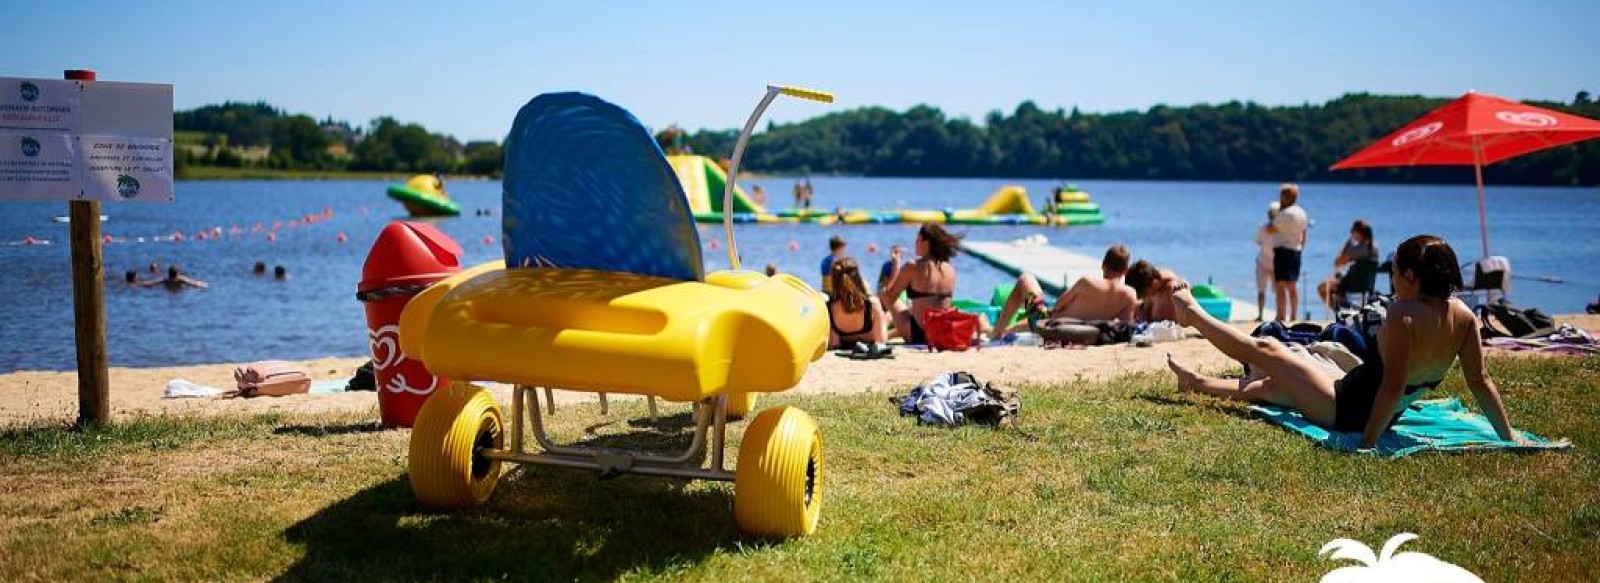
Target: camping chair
(1491,279)
(1361,280)
(602,289)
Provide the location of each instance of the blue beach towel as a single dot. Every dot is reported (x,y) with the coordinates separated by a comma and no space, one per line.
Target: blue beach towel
(1440,424)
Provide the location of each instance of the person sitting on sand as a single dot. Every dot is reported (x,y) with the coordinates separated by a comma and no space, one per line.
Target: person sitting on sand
(853,314)
(836,245)
(175,281)
(891,267)
(1090,299)
(1154,288)
(929,283)
(1424,333)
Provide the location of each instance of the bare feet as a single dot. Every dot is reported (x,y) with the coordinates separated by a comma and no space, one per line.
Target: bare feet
(1183,300)
(1187,379)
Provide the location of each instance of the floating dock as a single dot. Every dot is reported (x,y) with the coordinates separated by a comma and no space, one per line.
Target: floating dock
(1057,268)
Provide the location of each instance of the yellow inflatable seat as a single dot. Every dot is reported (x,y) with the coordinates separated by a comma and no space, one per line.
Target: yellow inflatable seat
(618,332)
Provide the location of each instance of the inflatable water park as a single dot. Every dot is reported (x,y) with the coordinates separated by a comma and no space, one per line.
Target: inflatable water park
(703,181)
(424,196)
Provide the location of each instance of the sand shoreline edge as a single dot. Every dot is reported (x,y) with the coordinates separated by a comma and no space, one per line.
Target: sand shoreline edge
(34,398)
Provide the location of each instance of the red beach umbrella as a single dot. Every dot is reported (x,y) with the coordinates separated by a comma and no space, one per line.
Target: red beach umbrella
(1475,130)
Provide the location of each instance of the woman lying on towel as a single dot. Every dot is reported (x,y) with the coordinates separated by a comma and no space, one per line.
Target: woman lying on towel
(1424,333)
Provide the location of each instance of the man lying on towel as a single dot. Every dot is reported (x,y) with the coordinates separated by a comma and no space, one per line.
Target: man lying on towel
(1082,315)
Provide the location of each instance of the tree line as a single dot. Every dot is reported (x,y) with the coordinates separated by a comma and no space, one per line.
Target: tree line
(1229,141)
(260,135)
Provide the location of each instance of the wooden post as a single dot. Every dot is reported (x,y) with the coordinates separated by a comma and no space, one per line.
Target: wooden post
(89,304)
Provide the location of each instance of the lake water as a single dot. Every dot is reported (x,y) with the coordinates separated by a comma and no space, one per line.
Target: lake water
(1203,230)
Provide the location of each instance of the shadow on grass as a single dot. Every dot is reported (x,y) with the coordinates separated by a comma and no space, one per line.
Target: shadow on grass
(542,523)
(676,422)
(1227,408)
(318,430)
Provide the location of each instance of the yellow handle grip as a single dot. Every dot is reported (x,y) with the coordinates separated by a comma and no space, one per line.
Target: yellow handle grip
(810,94)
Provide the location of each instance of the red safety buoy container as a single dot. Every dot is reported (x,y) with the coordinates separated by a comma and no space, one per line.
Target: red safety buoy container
(406,258)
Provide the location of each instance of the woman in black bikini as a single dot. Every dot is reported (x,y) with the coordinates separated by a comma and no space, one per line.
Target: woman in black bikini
(853,315)
(929,283)
(1424,333)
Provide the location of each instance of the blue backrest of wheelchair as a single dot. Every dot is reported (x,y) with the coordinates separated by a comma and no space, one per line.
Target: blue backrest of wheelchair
(587,187)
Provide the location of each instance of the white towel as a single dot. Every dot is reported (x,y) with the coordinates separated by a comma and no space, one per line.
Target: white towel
(183,389)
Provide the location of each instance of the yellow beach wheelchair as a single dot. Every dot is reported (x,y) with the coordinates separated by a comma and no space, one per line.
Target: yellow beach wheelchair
(603,290)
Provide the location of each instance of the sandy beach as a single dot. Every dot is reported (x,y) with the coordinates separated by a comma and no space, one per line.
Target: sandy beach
(38,397)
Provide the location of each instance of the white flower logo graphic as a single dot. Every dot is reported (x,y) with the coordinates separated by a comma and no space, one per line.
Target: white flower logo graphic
(1417,134)
(1387,566)
(1532,119)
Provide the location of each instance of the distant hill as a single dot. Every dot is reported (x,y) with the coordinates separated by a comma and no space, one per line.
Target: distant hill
(1229,141)
(258,135)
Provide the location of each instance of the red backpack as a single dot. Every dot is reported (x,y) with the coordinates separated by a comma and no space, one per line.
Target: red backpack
(950,329)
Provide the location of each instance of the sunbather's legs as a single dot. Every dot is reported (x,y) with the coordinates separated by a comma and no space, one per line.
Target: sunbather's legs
(880,323)
(902,321)
(1311,395)
(1238,389)
(1026,285)
(1288,374)
(1254,351)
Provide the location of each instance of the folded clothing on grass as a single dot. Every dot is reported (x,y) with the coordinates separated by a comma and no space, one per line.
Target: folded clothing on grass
(1439,424)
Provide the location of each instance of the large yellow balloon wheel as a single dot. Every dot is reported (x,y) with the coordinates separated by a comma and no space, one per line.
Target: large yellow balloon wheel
(454,427)
(778,484)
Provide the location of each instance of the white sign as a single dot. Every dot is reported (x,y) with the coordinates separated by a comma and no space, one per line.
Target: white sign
(122,168)
(40,104)
(38,165)
(72,140)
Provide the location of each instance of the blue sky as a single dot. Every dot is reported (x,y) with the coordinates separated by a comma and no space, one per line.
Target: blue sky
(465,67)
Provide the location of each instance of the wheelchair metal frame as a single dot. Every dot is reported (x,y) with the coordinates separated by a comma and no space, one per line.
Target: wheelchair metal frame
(711,429)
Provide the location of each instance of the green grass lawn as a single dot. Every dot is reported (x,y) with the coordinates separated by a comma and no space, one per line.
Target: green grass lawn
(1118,481)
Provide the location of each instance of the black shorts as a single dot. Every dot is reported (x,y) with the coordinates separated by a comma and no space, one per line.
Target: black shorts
(1342,286)
(1285,264)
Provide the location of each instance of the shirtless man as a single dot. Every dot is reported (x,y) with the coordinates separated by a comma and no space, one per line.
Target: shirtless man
(175,281)
(1090,299)
(1154,288)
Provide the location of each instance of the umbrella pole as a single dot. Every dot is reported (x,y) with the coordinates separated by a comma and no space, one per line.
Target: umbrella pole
(1483,214)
